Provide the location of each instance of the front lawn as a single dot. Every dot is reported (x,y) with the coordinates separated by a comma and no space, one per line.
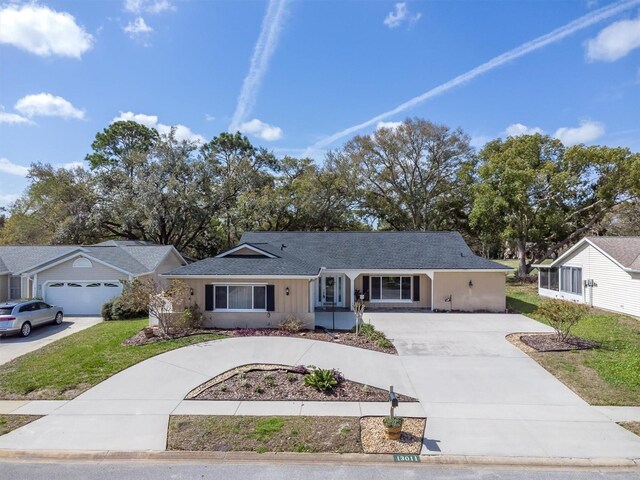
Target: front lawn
(264,434)
(609,375)
(72,365)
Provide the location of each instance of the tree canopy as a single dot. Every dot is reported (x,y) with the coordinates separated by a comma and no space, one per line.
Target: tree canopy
(528,194)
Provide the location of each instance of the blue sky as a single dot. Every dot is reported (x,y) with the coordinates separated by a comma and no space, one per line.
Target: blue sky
(298,77)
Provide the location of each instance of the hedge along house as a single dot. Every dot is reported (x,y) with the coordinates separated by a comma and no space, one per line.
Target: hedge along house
(601,272)
(81,278)
(317,276)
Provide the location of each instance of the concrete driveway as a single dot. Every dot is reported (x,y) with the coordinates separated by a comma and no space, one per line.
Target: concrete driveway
(15,346)
(483,396)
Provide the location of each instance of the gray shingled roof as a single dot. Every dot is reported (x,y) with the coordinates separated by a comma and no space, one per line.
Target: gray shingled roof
(305,253)
(134,259)
(625,250)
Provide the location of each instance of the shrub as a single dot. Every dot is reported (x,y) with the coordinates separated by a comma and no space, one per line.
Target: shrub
(562,315)
(291,325)
(394,422)
(115,309)
(375,336)
(321,379)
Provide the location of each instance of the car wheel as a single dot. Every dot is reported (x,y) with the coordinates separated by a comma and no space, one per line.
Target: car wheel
(25,331)
(58,318)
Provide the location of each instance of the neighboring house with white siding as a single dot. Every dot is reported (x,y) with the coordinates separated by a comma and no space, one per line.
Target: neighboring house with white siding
(602,272)
(81,278)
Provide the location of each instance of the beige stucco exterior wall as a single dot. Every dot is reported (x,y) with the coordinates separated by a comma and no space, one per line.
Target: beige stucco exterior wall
(296,303)
(170,262)
(487,293)
(4,288)
(66,272)
(425,293)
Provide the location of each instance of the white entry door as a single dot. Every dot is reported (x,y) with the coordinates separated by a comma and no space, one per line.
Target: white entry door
(330,290)
(81,298)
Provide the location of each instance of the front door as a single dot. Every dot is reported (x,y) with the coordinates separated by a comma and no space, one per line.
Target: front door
(331,290)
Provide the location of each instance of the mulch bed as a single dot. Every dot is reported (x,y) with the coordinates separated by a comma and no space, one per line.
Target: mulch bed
(141,338)
(375,441)
(281,382)
(549,342)
(344,338)
(12,422)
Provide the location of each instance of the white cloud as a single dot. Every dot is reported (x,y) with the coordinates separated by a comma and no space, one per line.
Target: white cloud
(151,121)
(400,15)
(47,105)
(588,131)
(72,165)
(137,28)
(11,168)
(531,46)
(13,118)
(389,125)
(262,53)
(42,31)
(8,198)
(148,6)
(517,129)
(262,130)
(209,118)
(614,41)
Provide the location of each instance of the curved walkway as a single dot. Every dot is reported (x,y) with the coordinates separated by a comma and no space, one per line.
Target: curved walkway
(130,411)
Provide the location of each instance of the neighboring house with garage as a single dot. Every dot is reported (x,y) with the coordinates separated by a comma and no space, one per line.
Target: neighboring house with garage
(602,272)
(317,276)
(80,278)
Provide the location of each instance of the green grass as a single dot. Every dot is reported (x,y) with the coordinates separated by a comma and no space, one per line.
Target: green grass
(72,365)
(264,434)
(608,375)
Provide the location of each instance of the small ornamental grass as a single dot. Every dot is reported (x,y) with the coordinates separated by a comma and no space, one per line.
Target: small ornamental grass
(375,336)
(323,380)
(394,422)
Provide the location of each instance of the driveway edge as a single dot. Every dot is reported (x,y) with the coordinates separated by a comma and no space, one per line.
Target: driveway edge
(44,456)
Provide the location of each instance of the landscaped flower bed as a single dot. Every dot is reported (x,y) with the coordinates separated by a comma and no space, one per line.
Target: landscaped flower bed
(281,382)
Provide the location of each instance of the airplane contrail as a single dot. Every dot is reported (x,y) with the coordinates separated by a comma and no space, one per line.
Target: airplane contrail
(528,47)
(262,53)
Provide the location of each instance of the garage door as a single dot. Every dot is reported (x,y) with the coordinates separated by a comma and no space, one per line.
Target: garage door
(81,298)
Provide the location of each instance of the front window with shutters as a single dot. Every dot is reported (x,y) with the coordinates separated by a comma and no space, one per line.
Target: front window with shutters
(240,298)
(391,289)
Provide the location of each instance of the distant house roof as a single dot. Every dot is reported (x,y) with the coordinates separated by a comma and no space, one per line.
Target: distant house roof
(624,250)
(133,257)
(306,253)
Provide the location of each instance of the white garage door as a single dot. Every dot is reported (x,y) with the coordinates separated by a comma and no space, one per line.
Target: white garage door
(81,298)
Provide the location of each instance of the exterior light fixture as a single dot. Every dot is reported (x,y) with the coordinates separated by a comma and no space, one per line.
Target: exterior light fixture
(286,291)
(191,291)
(470,284)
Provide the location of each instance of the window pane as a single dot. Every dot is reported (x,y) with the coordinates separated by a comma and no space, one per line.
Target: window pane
(391,288)
(260,298)
(375,288)
(239,297)
(576,274)
(565,285)
(221,297)
(544,278)
(553,279)
(406,288)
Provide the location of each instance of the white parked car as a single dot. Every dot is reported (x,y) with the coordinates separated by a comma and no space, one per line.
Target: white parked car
(20,316)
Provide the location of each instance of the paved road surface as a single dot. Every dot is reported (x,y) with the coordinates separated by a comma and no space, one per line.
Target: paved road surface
(269,471)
